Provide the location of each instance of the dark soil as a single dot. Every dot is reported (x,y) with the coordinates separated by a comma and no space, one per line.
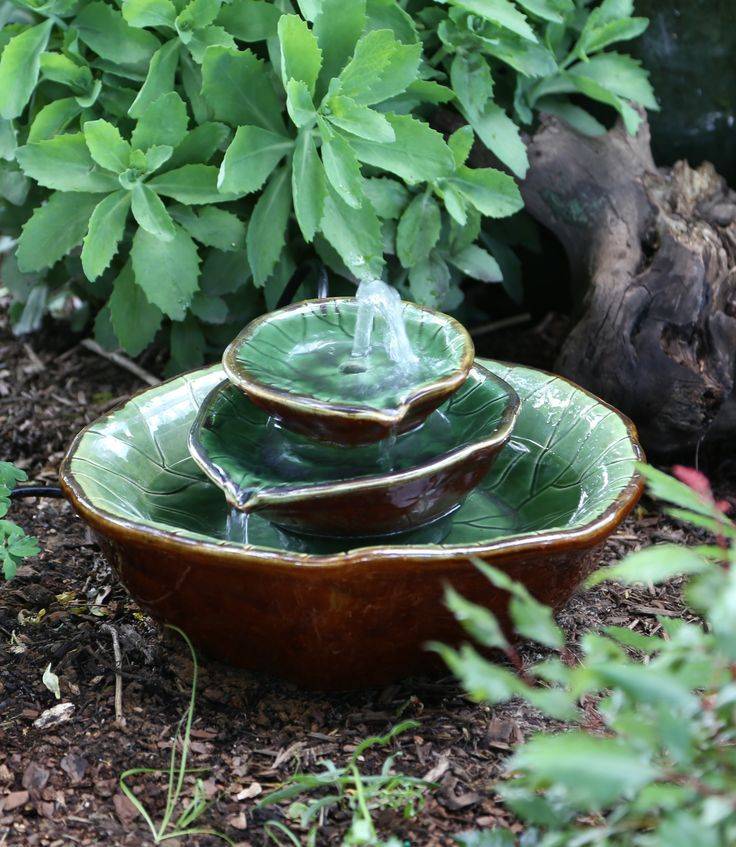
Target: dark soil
(60,785)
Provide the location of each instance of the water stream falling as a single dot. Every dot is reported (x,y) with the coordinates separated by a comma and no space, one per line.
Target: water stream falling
(377,298)
(237,526)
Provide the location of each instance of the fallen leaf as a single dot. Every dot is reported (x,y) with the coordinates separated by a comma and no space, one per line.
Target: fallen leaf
(57,714)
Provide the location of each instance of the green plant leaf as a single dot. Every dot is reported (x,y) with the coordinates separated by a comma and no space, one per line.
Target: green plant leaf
(486,838)
(381,67)
(653,564)
(493,193)
(299,103)
(477,621)
(211,226)
(471,81)
(501,136)
(301,57)
(483,680)
(106,228)
(135,321)
(163,122)
(355,234)
(594,772)
(53,119)
(187,344)
(190,184)
(197,14)
(418,153)
(106,146)
(150,212)
(211,36)
(387,14)
(461,143)
(145,13)
(20,63)
(61,69)
(359,120)
(54,229)
(267,228)
(103,29)
(621,75)
(548,10)
(167,271)
(237,86)
(250,158)
(589,87)
(8,140)
(418,230)
(157,155)
(477,263)
(387,196)
(200,144)
(64,163)
(249,20)
(500,12)
(307,184)
(211,310)
(159,79)
(338,26)
(342,170)
(577,117)
(429,281)
(601,30)
(535,621)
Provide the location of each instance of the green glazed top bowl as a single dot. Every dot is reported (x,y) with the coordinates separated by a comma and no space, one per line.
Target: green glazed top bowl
(292,364)
(333,490)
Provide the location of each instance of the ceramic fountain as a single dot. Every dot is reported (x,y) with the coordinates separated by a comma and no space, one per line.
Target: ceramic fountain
(299,509)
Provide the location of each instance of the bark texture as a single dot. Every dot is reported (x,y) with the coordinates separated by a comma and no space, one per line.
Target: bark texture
(655,252)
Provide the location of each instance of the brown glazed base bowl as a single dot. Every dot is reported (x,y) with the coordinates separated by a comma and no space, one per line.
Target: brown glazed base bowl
(342,616)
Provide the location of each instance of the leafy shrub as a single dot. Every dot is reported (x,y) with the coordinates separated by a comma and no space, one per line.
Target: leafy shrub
(662,772)
(15,545)
(200,151)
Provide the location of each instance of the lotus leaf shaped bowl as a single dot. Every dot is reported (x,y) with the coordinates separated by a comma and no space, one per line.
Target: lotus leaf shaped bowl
(313,395)
(342,615)
(336,491)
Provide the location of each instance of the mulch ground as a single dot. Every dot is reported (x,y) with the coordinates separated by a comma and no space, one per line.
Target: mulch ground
(59,785)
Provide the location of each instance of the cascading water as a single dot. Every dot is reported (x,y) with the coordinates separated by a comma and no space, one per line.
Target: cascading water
(377,298)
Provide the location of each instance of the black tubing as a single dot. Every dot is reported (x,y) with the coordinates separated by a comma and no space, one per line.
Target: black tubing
(297,278)
(36,491)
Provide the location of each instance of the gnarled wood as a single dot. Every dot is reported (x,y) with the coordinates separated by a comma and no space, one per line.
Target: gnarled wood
(655,251)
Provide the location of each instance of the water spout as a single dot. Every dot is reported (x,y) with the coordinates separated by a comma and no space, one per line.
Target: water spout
(377,298)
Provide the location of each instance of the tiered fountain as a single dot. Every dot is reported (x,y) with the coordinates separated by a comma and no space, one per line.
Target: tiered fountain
(300,509)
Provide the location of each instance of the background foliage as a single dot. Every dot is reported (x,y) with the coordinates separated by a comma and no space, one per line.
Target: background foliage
(661,770)
(15,545)
(198,152)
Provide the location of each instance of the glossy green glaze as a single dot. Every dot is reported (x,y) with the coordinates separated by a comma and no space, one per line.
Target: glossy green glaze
(567,464)
(380,488)
(296,364)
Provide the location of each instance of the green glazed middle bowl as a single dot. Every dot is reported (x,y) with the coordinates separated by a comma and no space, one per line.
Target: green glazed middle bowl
(333,491)
(289,363)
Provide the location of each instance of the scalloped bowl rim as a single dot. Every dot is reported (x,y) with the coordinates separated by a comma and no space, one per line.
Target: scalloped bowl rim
(432,555)
(444,385)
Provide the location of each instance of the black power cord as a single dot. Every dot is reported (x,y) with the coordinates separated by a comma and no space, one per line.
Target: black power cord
(36,491)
